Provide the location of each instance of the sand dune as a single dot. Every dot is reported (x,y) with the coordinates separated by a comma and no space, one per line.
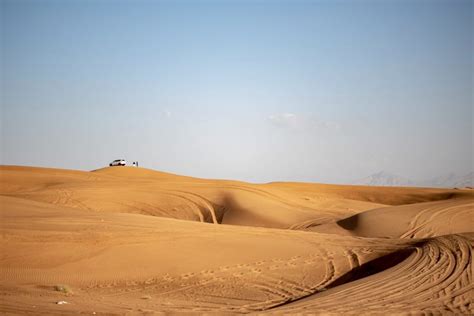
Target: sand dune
(131,240)
(422,220)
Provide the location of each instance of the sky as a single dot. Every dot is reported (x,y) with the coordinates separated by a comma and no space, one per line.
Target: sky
(321,91)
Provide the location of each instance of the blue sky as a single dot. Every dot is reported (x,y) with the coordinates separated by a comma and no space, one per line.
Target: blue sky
(254,90)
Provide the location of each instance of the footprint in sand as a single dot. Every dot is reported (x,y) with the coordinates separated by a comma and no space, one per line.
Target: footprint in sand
(187,276)
(207,272)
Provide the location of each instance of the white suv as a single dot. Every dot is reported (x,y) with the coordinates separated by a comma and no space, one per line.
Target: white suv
(118,162)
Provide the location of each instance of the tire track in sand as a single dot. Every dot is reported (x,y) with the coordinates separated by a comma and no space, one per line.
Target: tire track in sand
(436,278)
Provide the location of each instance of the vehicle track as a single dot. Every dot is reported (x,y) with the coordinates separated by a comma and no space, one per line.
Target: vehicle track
(435,279)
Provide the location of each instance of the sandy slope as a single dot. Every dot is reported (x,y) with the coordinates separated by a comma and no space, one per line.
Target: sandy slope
(409,221)
(132,240)
(434,279)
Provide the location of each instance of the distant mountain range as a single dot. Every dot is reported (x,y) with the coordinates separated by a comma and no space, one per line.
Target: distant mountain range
(451,180)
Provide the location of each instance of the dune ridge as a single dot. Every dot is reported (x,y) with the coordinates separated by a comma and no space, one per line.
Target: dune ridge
(132,240)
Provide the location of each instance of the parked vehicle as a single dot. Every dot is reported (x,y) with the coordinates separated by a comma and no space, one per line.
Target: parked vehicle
(118,162)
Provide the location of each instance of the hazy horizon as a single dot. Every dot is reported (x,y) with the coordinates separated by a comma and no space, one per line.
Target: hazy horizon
(327,91)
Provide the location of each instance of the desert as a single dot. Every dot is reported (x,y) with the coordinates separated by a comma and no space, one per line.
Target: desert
(233,157)
(127,240)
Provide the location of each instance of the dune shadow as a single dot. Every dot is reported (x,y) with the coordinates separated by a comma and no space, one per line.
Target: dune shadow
(349,223)
(373,267)
(231,212)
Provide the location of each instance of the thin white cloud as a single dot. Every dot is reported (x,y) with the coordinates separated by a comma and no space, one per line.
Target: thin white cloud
(300,121)
(166,113)
(330,125)
(284,119)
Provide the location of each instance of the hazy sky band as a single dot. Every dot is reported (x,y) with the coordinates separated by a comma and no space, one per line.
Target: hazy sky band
(260,91)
